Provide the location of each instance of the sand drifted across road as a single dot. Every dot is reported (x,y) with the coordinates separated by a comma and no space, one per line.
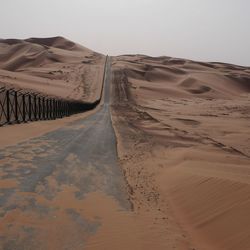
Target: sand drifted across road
(184,145)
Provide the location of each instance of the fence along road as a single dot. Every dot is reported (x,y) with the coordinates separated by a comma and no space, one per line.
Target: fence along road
(18,106)
(82,157)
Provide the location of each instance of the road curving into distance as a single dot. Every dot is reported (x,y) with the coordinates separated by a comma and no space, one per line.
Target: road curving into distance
(43,179)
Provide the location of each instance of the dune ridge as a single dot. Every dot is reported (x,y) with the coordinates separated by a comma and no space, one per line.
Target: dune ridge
(57,42)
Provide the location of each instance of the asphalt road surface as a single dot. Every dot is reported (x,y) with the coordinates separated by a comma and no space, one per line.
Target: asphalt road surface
(80,158)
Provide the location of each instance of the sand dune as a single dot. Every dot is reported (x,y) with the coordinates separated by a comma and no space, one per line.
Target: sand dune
(206,79)
(54,66)
(187,130)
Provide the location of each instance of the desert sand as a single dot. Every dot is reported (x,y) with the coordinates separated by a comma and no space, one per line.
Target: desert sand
(183,139)
(51,66)
(182,130)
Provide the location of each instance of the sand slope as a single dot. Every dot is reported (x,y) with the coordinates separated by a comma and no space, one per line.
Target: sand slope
(53,66)
(185,130)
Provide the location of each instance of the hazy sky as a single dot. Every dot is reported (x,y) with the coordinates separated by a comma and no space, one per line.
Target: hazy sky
(208,30)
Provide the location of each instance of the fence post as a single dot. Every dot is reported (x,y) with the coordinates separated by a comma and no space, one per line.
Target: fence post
(52,108)
(43,108)
(30,111)
(63,108)
(51,111)
(16,107)
(47,106)
(8,105)
(57,109)
(24,111)
(70,108)
(39,108)
(35,108)
(66,108)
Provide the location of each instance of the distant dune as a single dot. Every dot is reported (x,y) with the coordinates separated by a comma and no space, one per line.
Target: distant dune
(53,66)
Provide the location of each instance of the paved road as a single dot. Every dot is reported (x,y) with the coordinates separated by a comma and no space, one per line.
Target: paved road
(73,161)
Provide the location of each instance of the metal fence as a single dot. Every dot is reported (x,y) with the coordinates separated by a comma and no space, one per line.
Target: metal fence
(18,106)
